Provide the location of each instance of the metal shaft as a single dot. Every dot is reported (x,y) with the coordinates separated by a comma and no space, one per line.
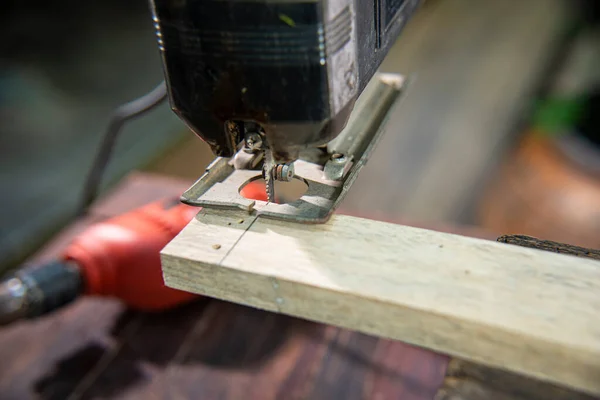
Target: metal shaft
(33,292)
(13,301)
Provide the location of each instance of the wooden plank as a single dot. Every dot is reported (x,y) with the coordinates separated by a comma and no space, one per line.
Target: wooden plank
(502,306)
(550,245)
(468,381)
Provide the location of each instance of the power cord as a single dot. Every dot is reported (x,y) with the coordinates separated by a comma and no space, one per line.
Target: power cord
(120,116)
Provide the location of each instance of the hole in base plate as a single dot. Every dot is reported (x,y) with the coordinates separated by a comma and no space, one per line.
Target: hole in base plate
(285,192)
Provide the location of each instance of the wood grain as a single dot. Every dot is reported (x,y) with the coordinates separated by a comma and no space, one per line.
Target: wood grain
(468,381)
(502,306)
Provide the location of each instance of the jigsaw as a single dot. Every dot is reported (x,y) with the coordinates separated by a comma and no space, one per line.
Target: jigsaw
(272,87)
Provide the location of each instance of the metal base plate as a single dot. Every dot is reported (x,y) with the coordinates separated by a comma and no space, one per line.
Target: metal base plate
(328,183)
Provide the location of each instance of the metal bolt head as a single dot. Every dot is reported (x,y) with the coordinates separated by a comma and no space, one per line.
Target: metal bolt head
(253,141)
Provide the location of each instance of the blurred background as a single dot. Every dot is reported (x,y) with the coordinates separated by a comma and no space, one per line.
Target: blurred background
(499,128)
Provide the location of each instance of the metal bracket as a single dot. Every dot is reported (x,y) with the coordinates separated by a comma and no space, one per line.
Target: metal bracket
(328,183)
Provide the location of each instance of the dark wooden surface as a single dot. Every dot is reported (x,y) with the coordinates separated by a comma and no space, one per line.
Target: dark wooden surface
(549,245)
(96,349)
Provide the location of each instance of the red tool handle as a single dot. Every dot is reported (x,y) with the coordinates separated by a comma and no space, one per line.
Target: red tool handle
(120,257)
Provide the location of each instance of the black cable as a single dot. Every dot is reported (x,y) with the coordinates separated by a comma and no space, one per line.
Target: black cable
(120,116)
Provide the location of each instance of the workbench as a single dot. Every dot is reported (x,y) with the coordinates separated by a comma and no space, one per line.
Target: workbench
(208,349)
